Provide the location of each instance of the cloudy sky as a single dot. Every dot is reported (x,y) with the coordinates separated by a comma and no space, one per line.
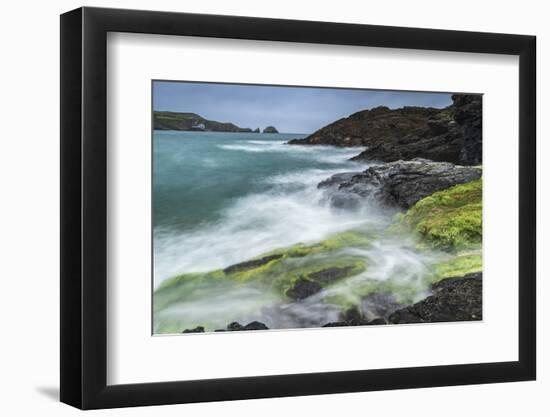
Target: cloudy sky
(289,109)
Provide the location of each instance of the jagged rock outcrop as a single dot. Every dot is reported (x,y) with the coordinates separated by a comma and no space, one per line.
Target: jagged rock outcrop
(468,116)
(257,130)
(396,184)
(452,134)
(270,129)
(338,179)
(368,127)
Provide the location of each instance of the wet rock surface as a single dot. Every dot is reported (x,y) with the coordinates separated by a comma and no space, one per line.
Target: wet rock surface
(397,184)
(236,326)
(338,179)
(198,329)
(313,283)
(303,288)
(255,263)
(453,299)
(329,275)
(255,325)
(354,317)
(380,305)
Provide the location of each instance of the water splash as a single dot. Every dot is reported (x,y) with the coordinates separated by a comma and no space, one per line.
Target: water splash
(289,209)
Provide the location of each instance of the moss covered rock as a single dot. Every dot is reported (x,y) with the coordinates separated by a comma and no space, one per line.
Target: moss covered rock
(345,271)
(451,219)
(323,263)
(459,264)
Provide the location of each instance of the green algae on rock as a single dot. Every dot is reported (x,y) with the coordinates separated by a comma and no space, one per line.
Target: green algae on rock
(449,220)
(266,280)
(458,265)
(279,269)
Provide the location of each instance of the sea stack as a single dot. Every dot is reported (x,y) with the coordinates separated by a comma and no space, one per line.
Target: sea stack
(270,129)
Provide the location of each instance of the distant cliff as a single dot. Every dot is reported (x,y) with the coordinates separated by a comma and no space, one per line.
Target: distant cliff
(166,120)
(452,134)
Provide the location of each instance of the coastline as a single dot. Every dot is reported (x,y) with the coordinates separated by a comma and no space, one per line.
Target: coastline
(437,226)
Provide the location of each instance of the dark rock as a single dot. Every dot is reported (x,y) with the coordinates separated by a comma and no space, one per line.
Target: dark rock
(336,324)
(257,130)
(234,326)
(366,127)
(374,322)
(380,305)
(345,200)
(350,317)
(255,325)
(377,321)
(452,134)
(255,263)
(303,288)
(330,274)
(453,299)
(443,147)
(468,116)
(198,329)
(453,281)
(399,184)
(337,179)
(270,129)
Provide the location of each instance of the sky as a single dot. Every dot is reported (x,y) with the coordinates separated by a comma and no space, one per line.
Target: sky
(289,109)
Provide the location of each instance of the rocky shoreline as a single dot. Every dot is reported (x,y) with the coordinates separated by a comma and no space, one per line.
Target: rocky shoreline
(452,134)
(396,184)
(428,170)
(452,299)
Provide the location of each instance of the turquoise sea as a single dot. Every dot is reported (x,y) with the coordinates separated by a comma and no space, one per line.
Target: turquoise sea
(225,198)
(222,198)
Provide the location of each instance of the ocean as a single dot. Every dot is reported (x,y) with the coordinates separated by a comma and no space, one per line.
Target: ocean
(223,198)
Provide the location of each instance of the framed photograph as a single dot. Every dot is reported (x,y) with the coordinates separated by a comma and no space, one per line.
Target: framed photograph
(256,208)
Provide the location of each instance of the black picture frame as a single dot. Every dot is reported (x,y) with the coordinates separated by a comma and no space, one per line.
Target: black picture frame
(84,207)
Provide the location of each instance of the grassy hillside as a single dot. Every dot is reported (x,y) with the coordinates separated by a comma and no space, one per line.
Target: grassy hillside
(166,120)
